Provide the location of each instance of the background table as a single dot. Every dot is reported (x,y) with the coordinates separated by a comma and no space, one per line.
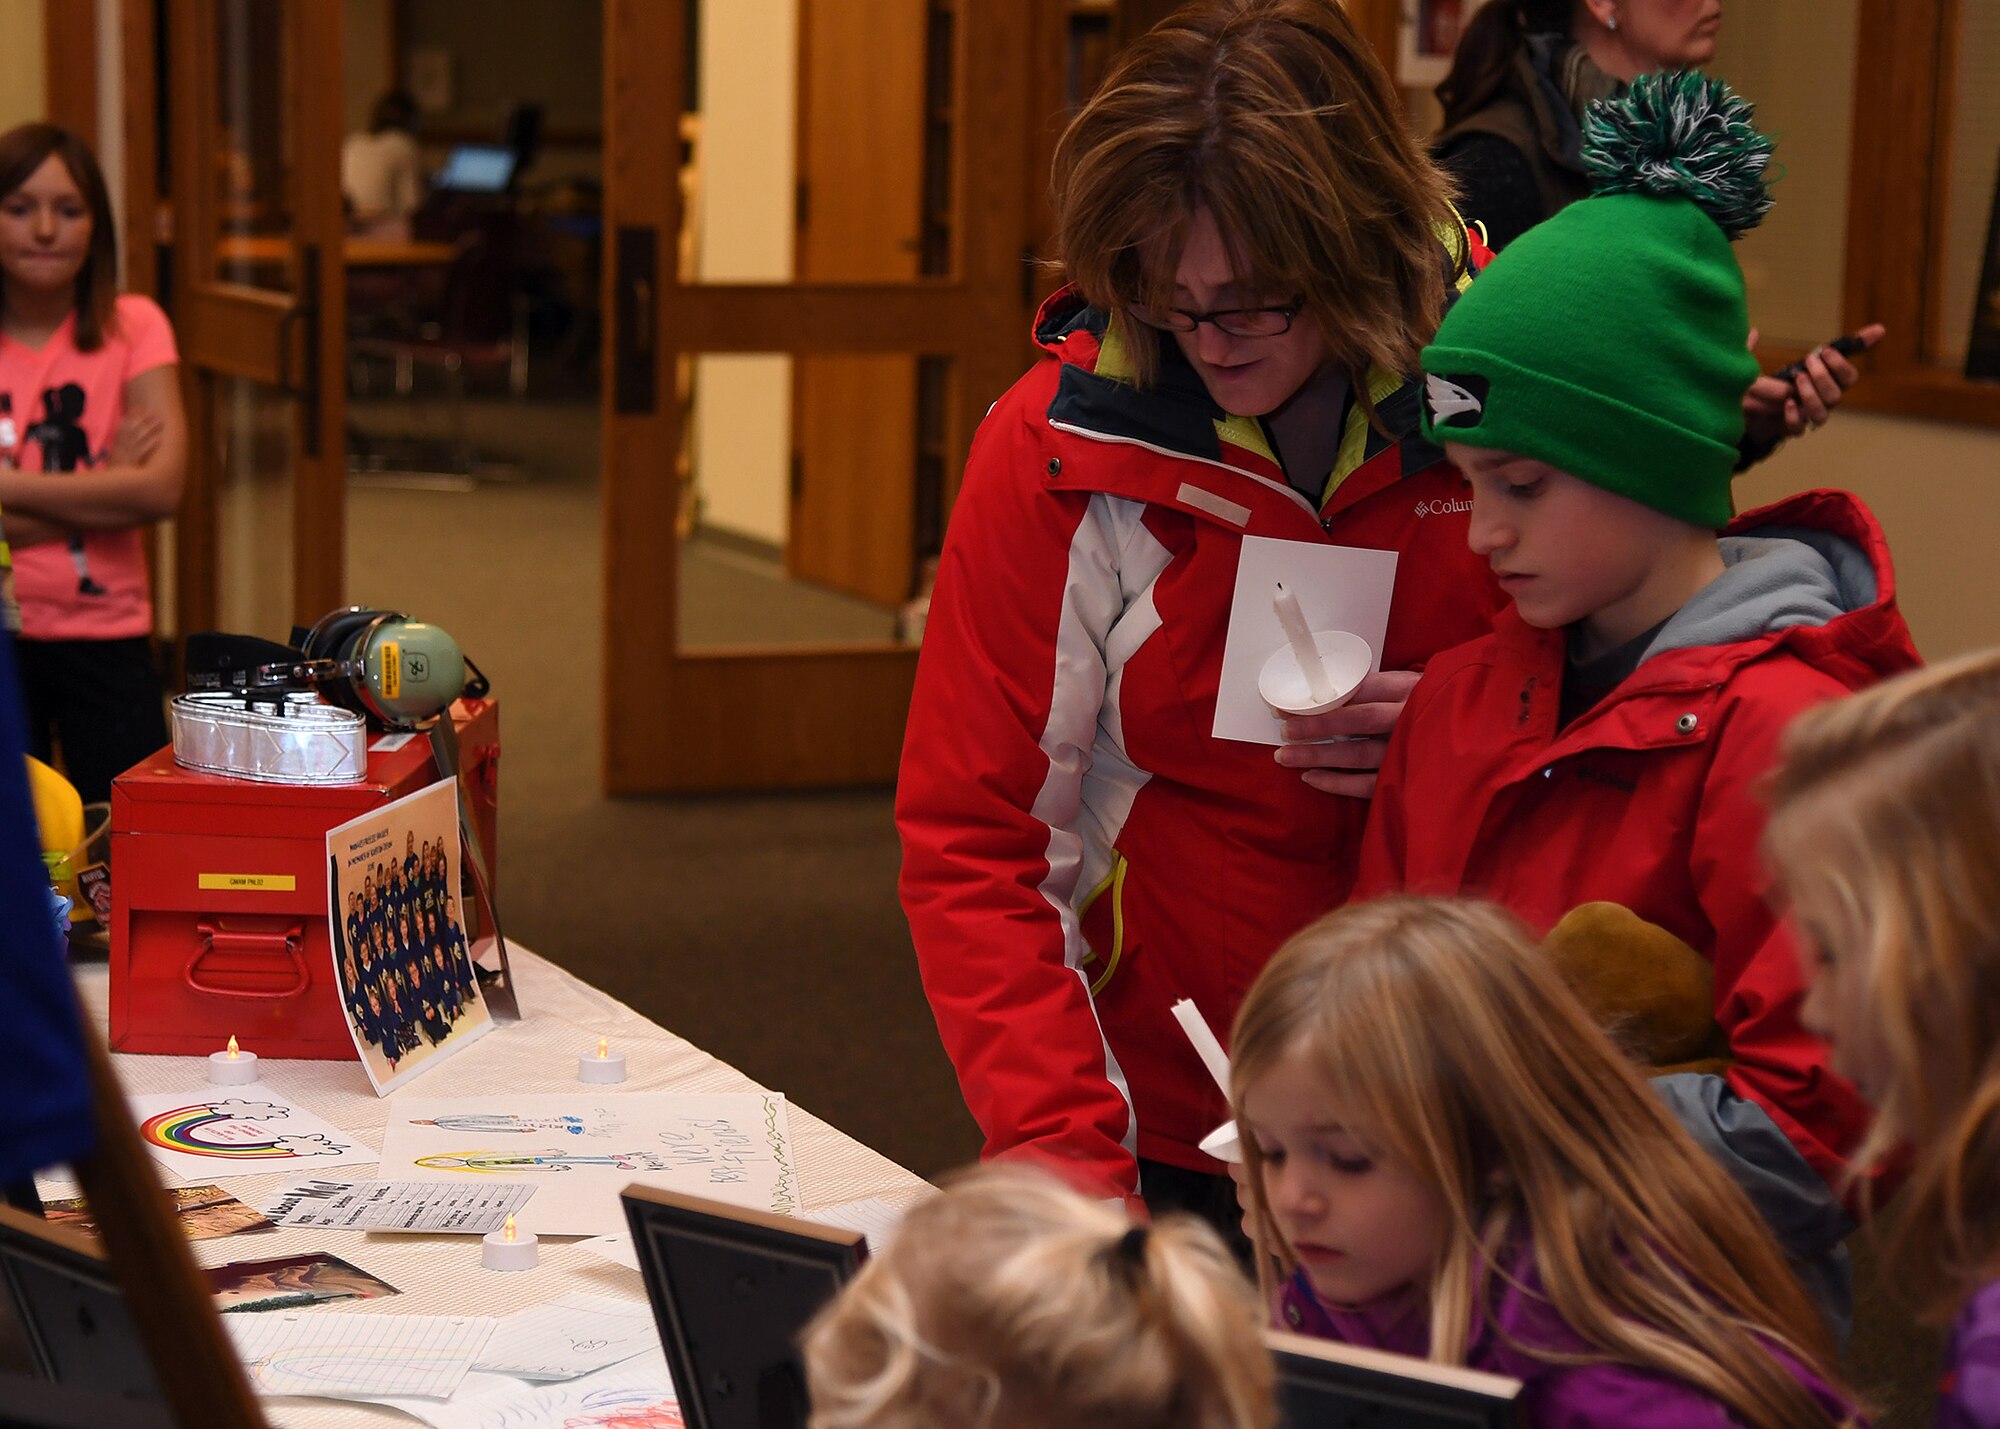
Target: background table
(441,1275)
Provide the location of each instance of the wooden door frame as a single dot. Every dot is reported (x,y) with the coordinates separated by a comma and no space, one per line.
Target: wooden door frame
(69,66)
(733,719)
(256,333)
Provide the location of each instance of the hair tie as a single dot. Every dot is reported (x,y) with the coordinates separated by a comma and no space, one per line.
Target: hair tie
(1132,1247)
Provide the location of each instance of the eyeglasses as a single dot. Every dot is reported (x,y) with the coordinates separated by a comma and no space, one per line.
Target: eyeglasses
(1237,322)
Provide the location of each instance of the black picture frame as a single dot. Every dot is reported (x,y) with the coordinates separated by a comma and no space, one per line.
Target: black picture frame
(732,1289)
(1324,1385)
(91,1363)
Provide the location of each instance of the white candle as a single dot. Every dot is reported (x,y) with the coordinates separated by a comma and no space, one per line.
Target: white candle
(1304,649)
(232,1067)
(606,1066)
(1205,1046)
(509,1249)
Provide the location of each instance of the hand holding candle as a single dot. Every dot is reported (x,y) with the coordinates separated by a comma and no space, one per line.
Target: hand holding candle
(1304,649)
(510,1249)
(232,1067)
(606,1067)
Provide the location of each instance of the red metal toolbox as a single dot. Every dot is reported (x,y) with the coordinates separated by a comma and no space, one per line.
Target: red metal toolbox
(219,918)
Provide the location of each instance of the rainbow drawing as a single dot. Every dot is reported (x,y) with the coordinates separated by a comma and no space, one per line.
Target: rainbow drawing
(231,1131)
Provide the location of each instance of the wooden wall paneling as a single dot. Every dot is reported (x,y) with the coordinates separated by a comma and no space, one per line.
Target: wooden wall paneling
(191,70)
(1380,22)
(69,53)
(644,65)
(225,328)
(676,721)
(817,717)
(861,130)
(317,36)
(138,61)
(1937,215)
(1894,208)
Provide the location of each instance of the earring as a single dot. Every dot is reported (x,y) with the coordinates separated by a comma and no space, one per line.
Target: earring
(1611,22)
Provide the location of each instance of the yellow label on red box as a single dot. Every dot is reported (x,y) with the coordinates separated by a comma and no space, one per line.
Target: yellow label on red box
(248,882)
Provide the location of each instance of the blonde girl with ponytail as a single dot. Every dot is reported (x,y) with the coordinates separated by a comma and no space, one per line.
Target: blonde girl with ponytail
(1448,1159)
(1013,1302)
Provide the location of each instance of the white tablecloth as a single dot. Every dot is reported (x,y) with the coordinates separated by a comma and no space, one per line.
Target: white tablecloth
(441,1275)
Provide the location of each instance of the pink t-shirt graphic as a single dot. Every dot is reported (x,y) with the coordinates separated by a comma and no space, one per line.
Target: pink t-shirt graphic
(68,405)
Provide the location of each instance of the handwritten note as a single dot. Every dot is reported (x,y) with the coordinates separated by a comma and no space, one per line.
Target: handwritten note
(336,1356)
(413,1206)
(569,1337)
(635,1394)
(579,1150)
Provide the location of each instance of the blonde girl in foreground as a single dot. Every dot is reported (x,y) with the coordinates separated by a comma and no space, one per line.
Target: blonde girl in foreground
(1447,1159)
(1885,832)
(1011,1301)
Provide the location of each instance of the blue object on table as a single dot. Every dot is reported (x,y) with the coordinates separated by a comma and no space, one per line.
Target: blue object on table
(60,906)
(45,1078)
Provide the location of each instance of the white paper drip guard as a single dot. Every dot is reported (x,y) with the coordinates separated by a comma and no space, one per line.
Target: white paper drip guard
(301,741)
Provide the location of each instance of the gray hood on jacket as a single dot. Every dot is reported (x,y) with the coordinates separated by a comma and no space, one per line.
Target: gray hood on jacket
(1774,577)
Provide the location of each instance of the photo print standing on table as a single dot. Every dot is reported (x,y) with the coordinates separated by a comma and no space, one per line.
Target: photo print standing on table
(400,953)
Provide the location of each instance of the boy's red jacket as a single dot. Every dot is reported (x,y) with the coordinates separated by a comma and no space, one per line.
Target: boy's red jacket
(1650,799)
(1069,823)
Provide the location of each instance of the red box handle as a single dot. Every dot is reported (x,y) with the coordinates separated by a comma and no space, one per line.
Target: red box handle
(216,938)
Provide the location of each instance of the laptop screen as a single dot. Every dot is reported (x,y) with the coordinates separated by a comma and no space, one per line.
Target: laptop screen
(477,168)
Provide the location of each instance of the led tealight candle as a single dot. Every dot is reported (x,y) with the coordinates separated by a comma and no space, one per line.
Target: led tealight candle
(1304,649)
(606,1066)
(232,1067)
(509,1249)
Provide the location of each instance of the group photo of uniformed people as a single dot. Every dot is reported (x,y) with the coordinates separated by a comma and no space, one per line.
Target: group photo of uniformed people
(405,969)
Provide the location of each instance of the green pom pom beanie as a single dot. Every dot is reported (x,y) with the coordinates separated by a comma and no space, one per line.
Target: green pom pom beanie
(1611,340)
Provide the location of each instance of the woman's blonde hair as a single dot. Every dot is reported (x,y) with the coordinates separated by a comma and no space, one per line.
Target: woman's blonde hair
(1276,117)
(1885,834)
(1011,1300)
(1446,1033)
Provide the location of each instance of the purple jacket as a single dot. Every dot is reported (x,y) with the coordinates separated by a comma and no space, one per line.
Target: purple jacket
(1557,1396)
(1969,1398)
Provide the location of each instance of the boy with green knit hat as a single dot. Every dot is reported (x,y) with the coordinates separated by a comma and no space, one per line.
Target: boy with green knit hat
(1602,746)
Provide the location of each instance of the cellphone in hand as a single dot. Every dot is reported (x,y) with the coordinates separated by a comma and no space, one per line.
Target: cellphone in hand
(1846,346)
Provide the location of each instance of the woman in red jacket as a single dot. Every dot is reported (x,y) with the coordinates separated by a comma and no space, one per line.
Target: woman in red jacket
(1257,250)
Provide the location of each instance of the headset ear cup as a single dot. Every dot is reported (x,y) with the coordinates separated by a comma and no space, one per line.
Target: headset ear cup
(340,636)
(335,631)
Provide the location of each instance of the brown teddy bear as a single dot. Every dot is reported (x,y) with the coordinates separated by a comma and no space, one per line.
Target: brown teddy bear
(1653,993)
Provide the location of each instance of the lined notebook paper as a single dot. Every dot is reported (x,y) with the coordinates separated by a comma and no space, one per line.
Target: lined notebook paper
(347,1356)
(569,1337)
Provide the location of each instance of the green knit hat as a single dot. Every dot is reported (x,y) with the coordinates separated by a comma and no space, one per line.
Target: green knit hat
(1611,341)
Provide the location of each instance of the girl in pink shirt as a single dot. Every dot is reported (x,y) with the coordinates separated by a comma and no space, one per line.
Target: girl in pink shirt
(93,448)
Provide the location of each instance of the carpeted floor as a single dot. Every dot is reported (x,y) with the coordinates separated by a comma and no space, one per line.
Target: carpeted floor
(763,928)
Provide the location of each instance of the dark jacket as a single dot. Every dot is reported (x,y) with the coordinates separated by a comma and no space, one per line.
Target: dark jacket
(1518,159)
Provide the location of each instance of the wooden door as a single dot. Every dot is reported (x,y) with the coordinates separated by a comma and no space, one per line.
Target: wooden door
(762,716)
(254,110)
(860,220)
